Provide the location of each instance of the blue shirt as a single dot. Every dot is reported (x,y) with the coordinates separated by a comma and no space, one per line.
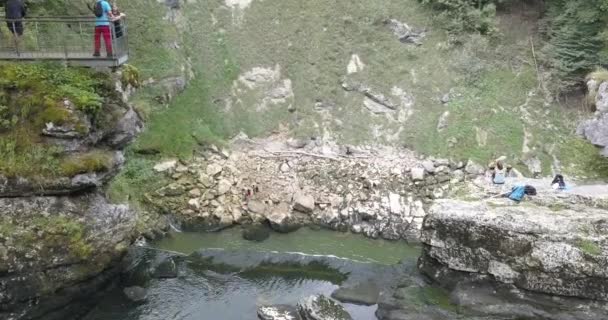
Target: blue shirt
(104,20)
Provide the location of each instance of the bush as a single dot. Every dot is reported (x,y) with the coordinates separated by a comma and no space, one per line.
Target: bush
(463,16)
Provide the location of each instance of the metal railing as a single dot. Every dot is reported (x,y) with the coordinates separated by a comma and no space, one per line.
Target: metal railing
(62,38)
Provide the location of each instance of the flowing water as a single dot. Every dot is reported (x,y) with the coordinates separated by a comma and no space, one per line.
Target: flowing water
(204,293)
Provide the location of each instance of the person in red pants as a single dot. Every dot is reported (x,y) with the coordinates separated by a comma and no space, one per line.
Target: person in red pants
(103,18)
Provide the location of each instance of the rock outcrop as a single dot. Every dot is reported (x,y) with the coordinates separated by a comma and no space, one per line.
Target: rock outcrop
(57,250)
(61,241)
(555,244)
(596,129)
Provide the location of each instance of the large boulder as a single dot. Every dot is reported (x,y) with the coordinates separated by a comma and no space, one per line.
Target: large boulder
(554,248)
(281,219)
(596,129)
(320,307)
(304,203)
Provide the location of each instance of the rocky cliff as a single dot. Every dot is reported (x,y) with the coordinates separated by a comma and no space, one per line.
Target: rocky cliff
(553,244)
(60,239)
(596,129)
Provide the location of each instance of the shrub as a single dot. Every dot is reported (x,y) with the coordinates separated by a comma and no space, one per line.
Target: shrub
(130,76)
(464,16)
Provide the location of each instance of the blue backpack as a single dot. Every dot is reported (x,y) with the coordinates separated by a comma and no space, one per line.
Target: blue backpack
(517,193)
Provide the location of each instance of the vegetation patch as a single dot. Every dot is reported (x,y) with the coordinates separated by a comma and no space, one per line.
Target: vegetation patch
(53,232)
(96,161)
(589,247)
(31,97)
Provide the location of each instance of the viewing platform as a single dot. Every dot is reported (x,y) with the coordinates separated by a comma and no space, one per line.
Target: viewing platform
(64,39)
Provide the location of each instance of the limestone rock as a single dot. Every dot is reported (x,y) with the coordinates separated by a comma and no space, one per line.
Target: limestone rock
(405,33)
(364,293)
(135,293)
(256,206)
(534,165)
(303,202)
(322,308)
(281,219)
(428,166)
(223,187)
(473,168)
(124,130)
(166,269)
(196,192)
(418,174)
(596,129)
(442,123)
(284,167)
(297,143)
(165,166)
(534,247)
(39,260)
(278,312)
(256,233)
(213,170)
(601,97)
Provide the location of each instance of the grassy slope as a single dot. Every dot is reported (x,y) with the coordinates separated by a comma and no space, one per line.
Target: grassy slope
(495,82)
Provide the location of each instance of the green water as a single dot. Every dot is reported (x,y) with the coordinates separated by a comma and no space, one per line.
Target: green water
(305,240)
(201,293)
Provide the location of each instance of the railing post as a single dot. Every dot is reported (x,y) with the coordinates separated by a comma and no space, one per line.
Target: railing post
(80,36)
(65,45)
(113,39)
(125,34)
(37,35)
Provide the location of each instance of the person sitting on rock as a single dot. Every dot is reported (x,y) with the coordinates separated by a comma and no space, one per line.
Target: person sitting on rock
(499,173)
(558,182)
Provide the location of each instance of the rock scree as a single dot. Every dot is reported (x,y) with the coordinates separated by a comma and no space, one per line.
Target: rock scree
(382,192)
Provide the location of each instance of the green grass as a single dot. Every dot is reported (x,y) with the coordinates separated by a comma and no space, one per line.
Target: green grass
(32,95)
(134,180)
(23,158)
(96,161)
(582,159)
(589,247)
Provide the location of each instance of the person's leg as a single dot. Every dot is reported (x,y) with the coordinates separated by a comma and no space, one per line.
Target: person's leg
(97,41)
(107,37)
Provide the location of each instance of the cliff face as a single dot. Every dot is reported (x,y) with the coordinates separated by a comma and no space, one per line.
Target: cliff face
(596,129)
(60,239)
